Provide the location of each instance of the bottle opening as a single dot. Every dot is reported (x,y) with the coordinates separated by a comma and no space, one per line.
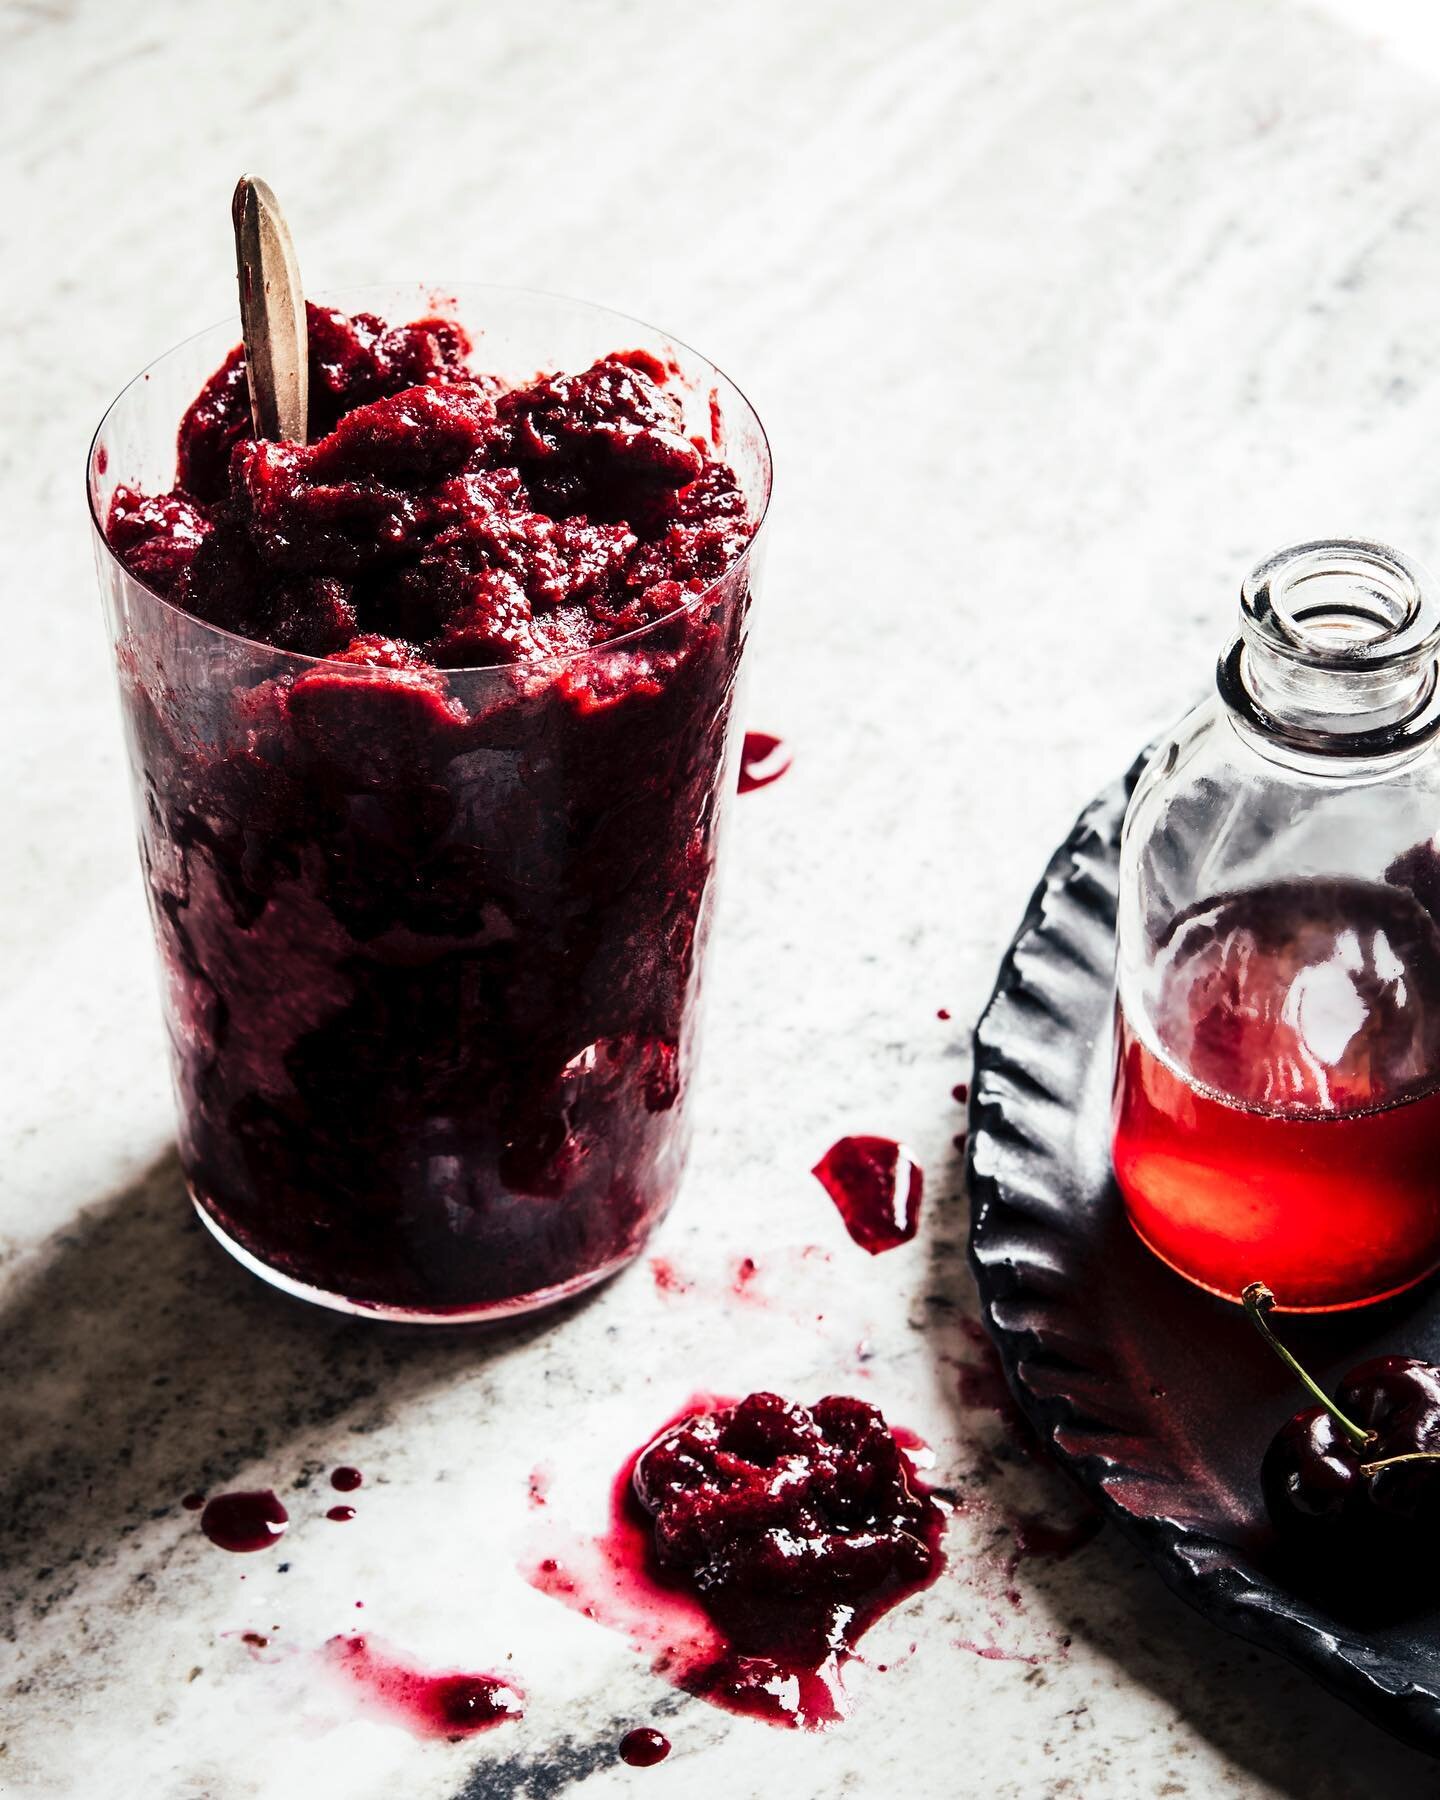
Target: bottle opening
(1335,599)
(1337,652)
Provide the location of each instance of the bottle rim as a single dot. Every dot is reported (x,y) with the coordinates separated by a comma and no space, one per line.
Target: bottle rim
(1338,653)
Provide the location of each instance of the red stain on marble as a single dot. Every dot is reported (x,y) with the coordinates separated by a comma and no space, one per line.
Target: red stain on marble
(996,1653)
(432,1705)
(667,1277)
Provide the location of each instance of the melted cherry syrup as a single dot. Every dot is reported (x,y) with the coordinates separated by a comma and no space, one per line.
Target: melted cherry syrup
(437,1706)
(244,1521)
(345,1480)
(751,1546)
(341,1515)
(763,759)
(644,1747)
(877,1187)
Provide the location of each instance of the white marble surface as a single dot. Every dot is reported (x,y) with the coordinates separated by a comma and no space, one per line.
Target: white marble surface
(1059,313)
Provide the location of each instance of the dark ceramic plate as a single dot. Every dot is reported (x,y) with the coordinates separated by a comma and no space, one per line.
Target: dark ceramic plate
(1159,1398)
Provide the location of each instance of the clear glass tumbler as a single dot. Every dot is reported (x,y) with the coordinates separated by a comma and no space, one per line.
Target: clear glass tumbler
(1277,1081)
(432,965)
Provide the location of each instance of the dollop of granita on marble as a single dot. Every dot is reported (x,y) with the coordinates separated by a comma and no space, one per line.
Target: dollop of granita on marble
(752,1546)
(432,904)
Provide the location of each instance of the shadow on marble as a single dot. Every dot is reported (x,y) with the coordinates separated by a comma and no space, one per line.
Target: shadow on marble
(138,1363)
(1270,1720)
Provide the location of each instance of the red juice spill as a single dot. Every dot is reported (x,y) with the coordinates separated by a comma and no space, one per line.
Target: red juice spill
(254,1640)
(1035,1535)
(942,1012)
(341,1515)
(193,1502)
(538,1486)
(994,1653)
(763,759)
(244,1521)
(877,1187)
(960,1092)
(1283,1124)
(667,1277)
(644,1747)
(768,1642)
(983,1387)
(345,1480)
(429,1705)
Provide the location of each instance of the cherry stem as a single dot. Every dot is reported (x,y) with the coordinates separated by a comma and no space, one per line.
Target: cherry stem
(1389,1462)
(1258,1300)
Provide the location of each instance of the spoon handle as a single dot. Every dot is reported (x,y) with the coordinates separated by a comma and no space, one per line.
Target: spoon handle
(272,314)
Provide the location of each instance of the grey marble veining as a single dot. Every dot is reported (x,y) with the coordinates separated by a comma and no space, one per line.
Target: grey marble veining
(1059,313)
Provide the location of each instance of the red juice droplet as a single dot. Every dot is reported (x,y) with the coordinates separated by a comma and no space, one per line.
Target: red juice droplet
(430,1705)
(763,759)
(942,1012)
(877,1187)
(193,1502)
(961,1092)
(644,1747)
(341,1514)
(345,1480)
(244,1521)
(667,1277)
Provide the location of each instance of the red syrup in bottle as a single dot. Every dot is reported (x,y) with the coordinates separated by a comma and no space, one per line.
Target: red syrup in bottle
(1300,1146)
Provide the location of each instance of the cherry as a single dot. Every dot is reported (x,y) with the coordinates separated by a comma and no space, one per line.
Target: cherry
(1357,1476)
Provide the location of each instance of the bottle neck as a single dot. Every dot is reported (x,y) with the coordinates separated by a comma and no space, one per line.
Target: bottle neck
(1337,652)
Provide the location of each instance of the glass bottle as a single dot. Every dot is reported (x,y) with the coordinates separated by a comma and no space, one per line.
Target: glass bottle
(1277,1067)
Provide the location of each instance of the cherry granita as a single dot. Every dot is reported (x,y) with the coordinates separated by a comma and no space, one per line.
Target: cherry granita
(429,724)
(796,1527)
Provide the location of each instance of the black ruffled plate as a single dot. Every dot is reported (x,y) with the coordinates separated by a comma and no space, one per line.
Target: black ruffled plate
(1159,1398)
